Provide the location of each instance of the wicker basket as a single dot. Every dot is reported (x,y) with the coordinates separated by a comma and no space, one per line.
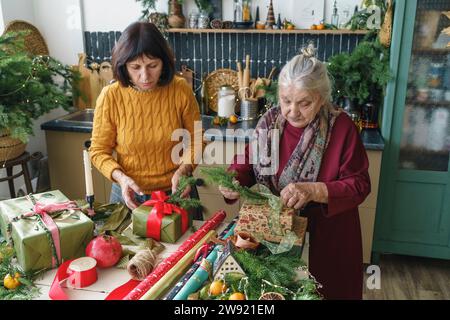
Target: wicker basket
(386,29)
(215,80)
(10,148)
(34,41)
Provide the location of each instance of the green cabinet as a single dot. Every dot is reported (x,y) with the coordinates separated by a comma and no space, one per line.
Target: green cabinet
(413,211)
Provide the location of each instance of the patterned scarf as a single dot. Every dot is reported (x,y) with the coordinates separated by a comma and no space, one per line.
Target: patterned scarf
(304,163)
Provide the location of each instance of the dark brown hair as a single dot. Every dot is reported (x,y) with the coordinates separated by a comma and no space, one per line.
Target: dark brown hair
(142,38)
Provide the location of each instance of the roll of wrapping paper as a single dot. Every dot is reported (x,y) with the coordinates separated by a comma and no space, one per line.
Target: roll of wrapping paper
(226,233)
(199,276)
(202,273)
(170,261)
(170,278)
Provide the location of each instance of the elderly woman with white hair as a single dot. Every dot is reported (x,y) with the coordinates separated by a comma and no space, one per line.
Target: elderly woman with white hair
(322,171)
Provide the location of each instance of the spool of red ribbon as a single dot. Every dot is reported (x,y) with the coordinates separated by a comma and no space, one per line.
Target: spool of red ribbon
(78,273)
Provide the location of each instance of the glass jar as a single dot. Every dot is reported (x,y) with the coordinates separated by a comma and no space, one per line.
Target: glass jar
(226,99)
(193,20)
(436,75)
(203,20)
(242,10)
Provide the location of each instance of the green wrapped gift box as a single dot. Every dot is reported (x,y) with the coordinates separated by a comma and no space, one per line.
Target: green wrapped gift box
(30,240)
(171,229)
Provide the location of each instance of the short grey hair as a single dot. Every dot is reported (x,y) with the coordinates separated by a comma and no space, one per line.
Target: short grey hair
(306,72)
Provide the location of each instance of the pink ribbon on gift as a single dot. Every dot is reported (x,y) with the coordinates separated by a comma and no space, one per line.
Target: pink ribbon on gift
(159,210)
(43,210)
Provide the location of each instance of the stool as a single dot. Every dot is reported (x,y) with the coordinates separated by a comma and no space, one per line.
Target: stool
(21,160)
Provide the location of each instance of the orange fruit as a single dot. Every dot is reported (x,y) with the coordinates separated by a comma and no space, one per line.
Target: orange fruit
(217,287)
(237,296)
(314,27)
(321,27)
(216,121)
(233,119)
(11,283)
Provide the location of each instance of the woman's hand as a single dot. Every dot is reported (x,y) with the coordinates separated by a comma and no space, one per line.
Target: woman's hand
(228,193)
(183,170)
(128,187)
(298,195)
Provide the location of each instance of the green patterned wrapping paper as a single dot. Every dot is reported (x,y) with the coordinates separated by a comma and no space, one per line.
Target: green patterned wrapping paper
(170,225)
(33,247)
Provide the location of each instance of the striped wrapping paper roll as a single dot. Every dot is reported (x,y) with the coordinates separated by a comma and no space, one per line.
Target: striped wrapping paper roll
(227,232)
(170,261)
(169,279)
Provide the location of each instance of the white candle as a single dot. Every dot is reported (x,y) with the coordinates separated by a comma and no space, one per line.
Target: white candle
(226,106)
(88,174)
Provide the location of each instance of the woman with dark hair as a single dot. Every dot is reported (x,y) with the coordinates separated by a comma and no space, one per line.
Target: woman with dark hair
(137,115)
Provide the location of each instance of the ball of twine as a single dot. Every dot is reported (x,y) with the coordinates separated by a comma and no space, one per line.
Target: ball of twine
(140,266)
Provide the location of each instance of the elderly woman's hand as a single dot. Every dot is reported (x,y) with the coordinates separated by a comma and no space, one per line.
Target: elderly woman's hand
(228,193)
(183,170)
(297,195)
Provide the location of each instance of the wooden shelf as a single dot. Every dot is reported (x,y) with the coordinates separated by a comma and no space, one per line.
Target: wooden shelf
(267,31)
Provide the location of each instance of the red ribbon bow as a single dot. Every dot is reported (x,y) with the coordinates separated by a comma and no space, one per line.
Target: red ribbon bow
(159,210)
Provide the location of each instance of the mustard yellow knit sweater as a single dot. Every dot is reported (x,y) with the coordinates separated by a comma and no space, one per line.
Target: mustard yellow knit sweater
(138,126)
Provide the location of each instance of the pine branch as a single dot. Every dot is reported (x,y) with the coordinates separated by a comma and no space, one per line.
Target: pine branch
(27,290)
(220,177)
(185,203)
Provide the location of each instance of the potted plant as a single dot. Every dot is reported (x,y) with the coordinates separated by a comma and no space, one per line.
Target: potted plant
(361,76)
(30,86)
(176,18)
(360,19)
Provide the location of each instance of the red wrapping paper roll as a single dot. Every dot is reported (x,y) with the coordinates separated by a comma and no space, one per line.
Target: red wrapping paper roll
(170,261)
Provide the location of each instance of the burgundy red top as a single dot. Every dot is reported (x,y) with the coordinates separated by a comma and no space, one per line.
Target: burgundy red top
(335,252)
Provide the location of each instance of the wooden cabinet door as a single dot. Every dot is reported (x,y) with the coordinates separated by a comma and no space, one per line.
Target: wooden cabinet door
(414,205)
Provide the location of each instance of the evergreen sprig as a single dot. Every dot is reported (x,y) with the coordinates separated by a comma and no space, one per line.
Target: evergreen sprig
(221,177)
(185,203)
(27,290)
(280,270)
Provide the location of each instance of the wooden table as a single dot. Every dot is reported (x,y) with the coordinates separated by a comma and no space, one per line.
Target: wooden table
(111,278)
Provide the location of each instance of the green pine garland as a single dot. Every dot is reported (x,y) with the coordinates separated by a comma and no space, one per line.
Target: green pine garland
(27,290)
(280,271)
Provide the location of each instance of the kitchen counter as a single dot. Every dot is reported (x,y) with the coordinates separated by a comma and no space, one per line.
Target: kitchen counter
(239,132)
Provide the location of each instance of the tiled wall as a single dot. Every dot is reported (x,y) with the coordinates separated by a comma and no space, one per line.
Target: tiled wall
(206,52)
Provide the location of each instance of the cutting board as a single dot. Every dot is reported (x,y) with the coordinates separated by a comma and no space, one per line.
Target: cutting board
(84,85)
(93,79)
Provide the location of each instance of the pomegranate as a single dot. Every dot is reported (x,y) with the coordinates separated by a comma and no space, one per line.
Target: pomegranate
(107,250)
